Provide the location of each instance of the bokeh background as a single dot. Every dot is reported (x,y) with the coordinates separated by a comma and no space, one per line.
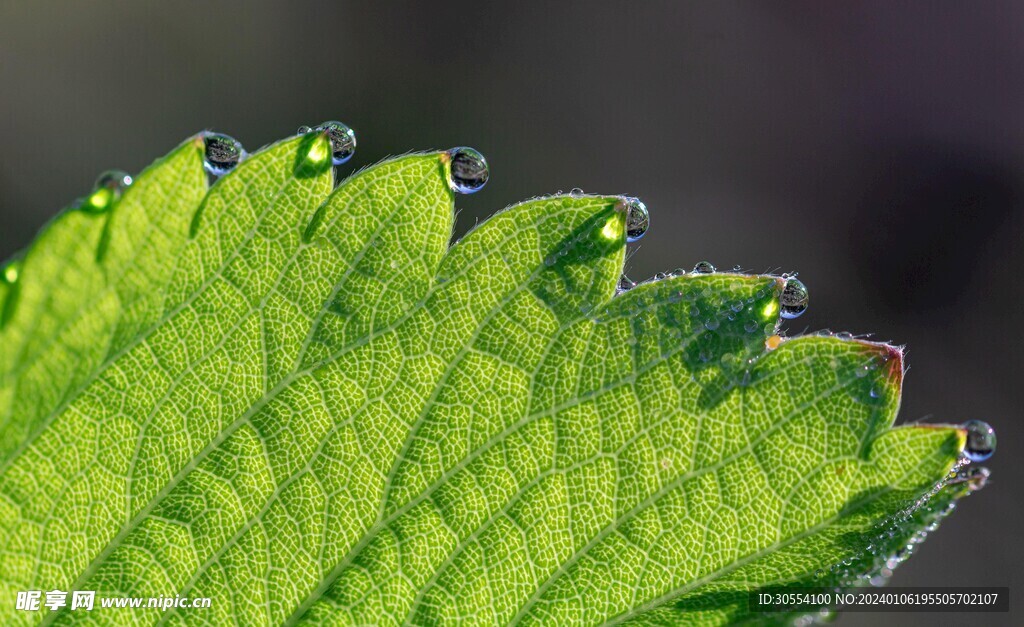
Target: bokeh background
(877,148)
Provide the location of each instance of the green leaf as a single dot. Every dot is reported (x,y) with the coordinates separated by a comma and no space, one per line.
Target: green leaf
(301,402)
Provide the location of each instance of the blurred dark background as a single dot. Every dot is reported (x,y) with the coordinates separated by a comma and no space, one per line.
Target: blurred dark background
(875,147)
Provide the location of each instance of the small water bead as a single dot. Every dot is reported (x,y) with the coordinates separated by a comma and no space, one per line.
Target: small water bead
(106,191)
(305,129)
(576,192)
(975,478)
(469,171)
(115,180)
(981,440)
(221,153)
(342,138)
(703,267)
(794,299)
(638,219)
(11,271)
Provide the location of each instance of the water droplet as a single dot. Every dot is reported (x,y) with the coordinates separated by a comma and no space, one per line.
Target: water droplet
(106,191)
(827,615)
(11,272)
(469,171)
(304,129)
(794,299)
(625,284)
(221,153)
(576,192)
(751,325)
(703,267)
(711,324)
(343,140)
(637,219)
(116,180)
(981,440)
(976,478)
(661,275)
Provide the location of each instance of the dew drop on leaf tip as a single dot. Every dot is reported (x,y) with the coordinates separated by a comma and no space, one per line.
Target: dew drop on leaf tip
(221,153)
(106,191)
(981,440)
(11,271)
(975,478)
(625,284)
(341,136)
(794,299)
(638,219)
(468,171)
(703,267)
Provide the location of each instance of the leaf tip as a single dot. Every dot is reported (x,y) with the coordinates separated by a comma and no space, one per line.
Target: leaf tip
(890,359)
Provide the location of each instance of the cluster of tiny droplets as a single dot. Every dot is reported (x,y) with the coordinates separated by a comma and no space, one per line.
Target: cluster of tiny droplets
(884,562)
